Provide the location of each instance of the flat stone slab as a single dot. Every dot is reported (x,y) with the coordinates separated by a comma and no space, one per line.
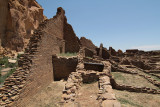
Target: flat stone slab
(94,66)
(6,69)
(12,61)
(108,96)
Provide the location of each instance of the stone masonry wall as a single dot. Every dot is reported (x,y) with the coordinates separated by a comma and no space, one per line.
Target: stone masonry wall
(59,28)
(41,72)
(35,72)
(88,52)
(87,43)
(72,43)
(62,67)
(55,25)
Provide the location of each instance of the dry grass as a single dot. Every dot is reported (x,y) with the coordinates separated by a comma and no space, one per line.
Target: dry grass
(132,99)
(132,80)
(48,97)
(67,54)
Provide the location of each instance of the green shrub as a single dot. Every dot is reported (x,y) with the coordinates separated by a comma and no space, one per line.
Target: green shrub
(4,61)
(2,78)
(19,55)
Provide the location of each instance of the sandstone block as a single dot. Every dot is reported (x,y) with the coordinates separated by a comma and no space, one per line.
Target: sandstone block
(108,96)
(69,85)
(4,98)
(66,97)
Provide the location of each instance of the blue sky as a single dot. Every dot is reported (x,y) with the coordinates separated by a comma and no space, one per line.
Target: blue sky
(122,24)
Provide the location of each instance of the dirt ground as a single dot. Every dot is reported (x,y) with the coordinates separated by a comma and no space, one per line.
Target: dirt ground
(49,97)
(132,99)
(87,95)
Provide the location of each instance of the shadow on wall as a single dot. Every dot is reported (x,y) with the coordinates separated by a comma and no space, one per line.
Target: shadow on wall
(62,67)
(94,66)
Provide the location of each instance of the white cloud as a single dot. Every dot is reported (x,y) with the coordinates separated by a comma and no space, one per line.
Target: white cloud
(147,47)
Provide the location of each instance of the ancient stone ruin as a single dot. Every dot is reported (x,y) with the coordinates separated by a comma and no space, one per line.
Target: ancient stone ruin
(43,62)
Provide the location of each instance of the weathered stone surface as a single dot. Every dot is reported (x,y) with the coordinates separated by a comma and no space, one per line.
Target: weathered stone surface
(112,51)
(62,67)
(102,52)
(69,85)
(59,27)
(87,43)
(18,21)
(108,96)
(80,66)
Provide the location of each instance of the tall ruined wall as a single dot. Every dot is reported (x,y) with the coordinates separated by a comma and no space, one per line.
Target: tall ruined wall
(36,70)
(72,43)
(23,16)
(41,72)
(59,27)
(56,24)
(87,43)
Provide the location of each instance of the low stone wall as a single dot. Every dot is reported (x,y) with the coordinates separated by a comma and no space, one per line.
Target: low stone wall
(133,89)
(74,83)
(89,77)
(154,82)
(148,78)
(62,67)
(158,76)
(116,69)
(152,71)
(71,87)
(106,96)
(85,59)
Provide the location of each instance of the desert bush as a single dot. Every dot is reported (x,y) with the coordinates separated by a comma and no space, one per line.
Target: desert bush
(4,63)
(2,78)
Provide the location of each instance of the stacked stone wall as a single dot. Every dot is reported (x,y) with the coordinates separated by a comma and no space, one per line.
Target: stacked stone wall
(36,69)
(62,67)
(72,43)
(88,52)
(133,89)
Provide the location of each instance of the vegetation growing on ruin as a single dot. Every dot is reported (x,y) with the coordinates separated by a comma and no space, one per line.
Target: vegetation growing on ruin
(4,63)
(68,54)
(89,57)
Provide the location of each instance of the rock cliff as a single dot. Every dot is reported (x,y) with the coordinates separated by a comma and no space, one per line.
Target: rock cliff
(18,20)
